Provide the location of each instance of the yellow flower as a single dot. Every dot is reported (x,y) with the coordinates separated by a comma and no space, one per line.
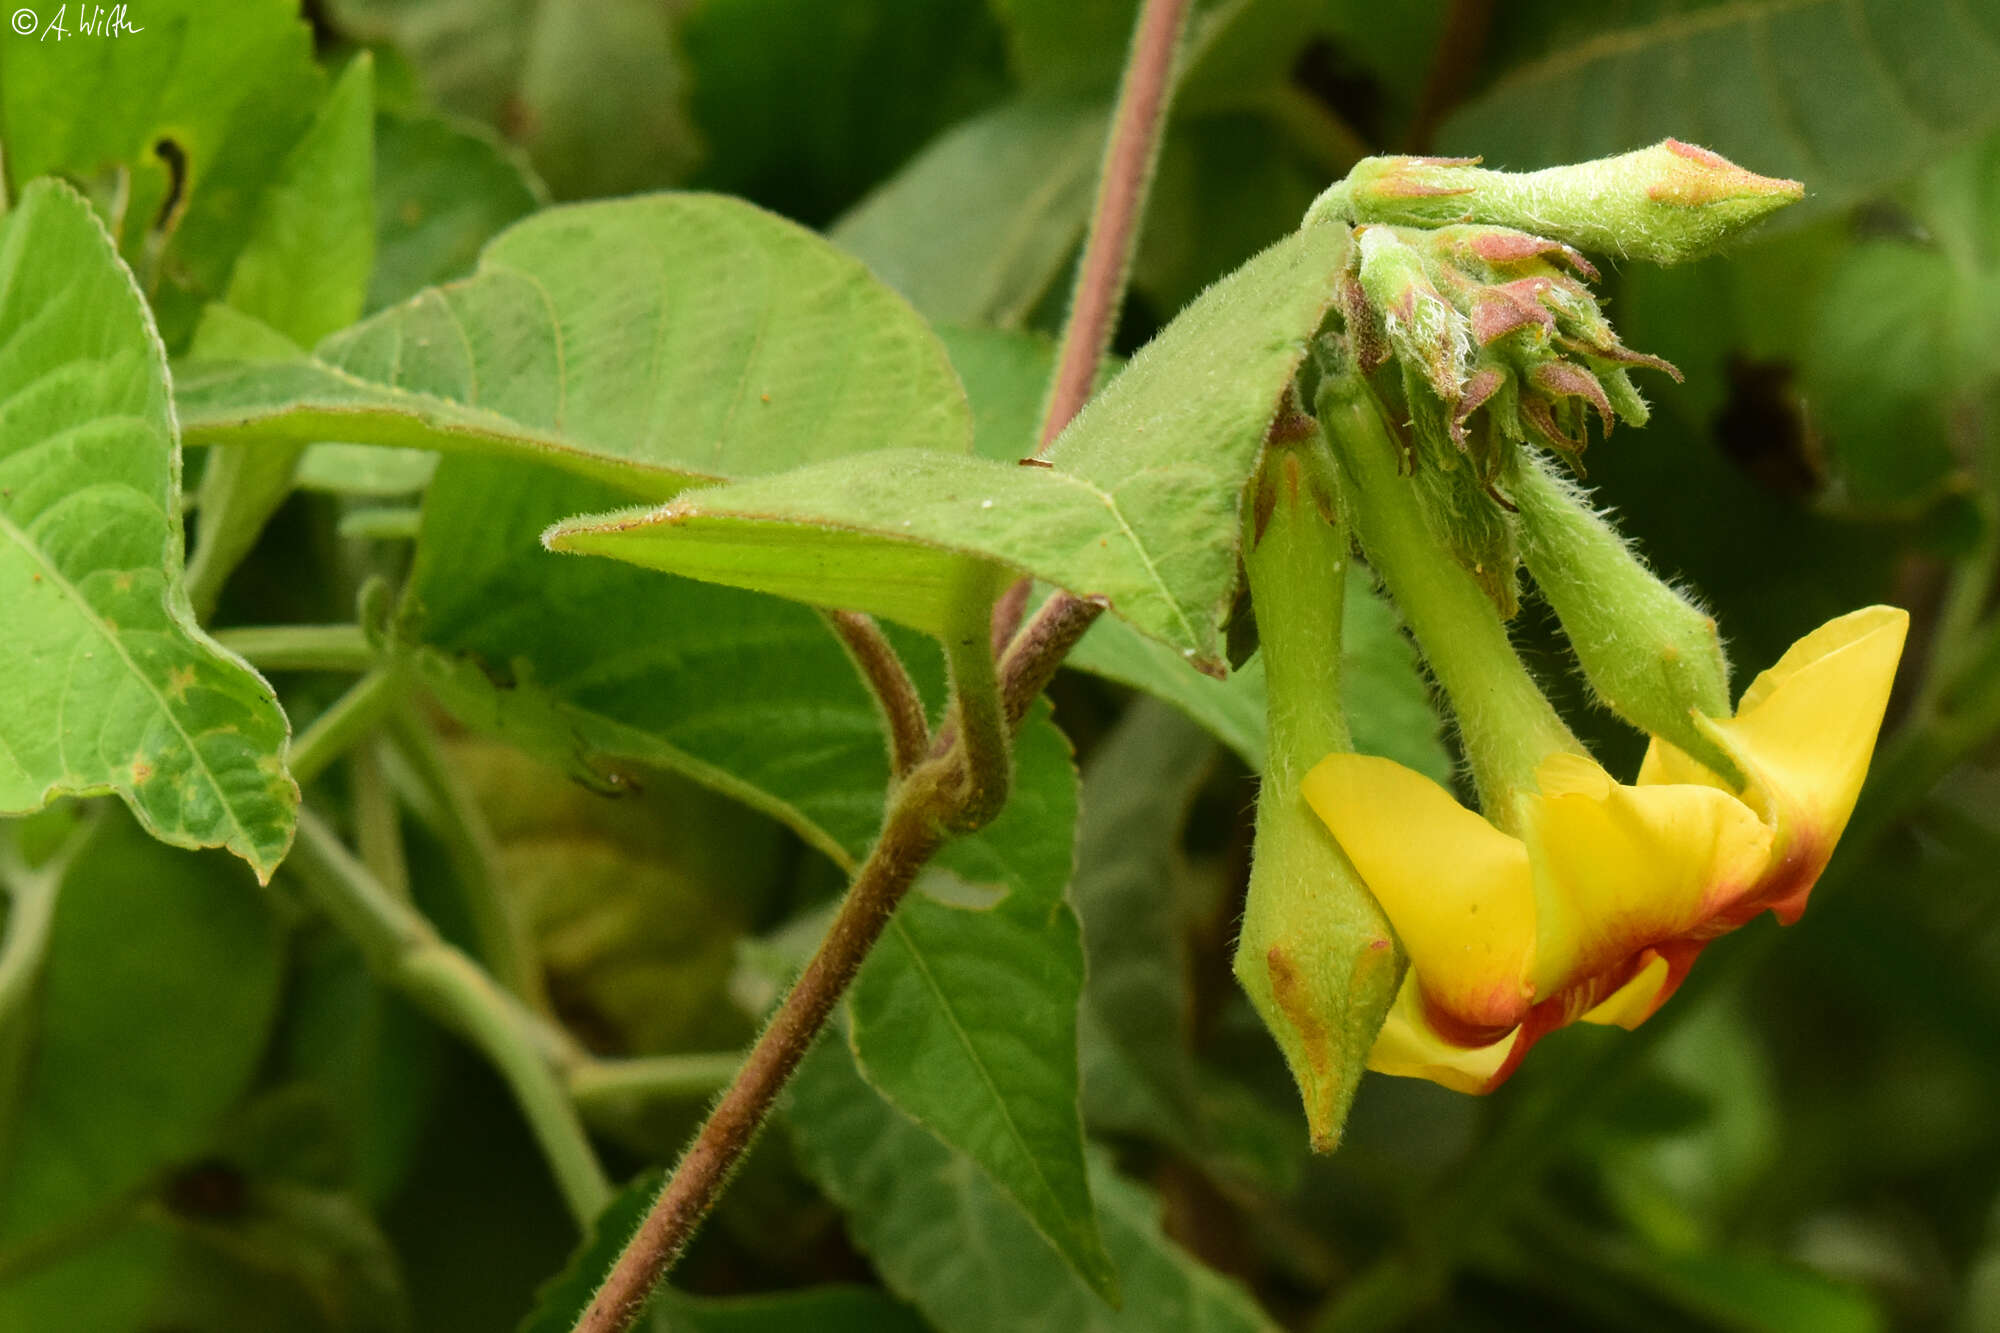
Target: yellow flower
(1596,903)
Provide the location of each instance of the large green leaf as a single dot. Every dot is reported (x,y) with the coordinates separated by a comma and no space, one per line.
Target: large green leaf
(650,342)
(304,270)
(175,129)
(946,1240)
(965,1018)
(979,225)
(1140,505)
(1846,95)
(111,686)
(595,92)
(442,189)
(156,996)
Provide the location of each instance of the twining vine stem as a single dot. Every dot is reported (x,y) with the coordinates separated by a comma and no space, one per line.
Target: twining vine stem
(952,789)
(902,707)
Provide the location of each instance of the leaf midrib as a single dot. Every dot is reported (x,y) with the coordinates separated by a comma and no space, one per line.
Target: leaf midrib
(923,970)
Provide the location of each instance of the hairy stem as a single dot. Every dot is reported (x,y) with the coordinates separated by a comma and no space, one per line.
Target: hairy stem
(1039,649)
(1127,171)
(301,647)
(402,948)
(977,714)
(378,821)
(889,681)
(913,832)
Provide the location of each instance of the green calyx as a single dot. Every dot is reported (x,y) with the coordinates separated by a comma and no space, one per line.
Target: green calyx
(1316,956)
(1651,656)
(1668,204)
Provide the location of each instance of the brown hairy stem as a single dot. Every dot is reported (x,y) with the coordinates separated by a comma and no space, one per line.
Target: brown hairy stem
(1121,198)
(887,679)
(912,834)
(944,792)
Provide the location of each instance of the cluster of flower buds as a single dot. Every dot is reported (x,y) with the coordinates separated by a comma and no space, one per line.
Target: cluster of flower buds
(1473,283)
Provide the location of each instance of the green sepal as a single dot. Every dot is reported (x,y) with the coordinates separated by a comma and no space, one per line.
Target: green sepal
(1316,956)
(1652,656)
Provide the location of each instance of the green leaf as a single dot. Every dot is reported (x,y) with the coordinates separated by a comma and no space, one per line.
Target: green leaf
(160,984)
(966,1019)
(304,270)
(599,666)
(945,1239)
(112,687)
(228,99)
(1006,375)
(803,110)
(443,188)
(820,1309)
(978,227)
(1065,46)
(1140,505)
(596,93)
(563,1298)
(1141,1076)
(1232,710)
(1767,1295)
(649,342)
(1844,96)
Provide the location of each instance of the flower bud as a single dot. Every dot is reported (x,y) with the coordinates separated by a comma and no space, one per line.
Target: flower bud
(1651,656)
(1424,329)
(1316,956)
(1668,203)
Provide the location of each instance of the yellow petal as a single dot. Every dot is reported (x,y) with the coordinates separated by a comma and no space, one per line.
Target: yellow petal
(1805,729)
(1457,890)
(1634,1002)
(1667,763)
(1408,1048)
(1619,869)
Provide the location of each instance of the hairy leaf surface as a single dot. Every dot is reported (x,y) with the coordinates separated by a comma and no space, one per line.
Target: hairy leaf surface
(111,685)
(650,342)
